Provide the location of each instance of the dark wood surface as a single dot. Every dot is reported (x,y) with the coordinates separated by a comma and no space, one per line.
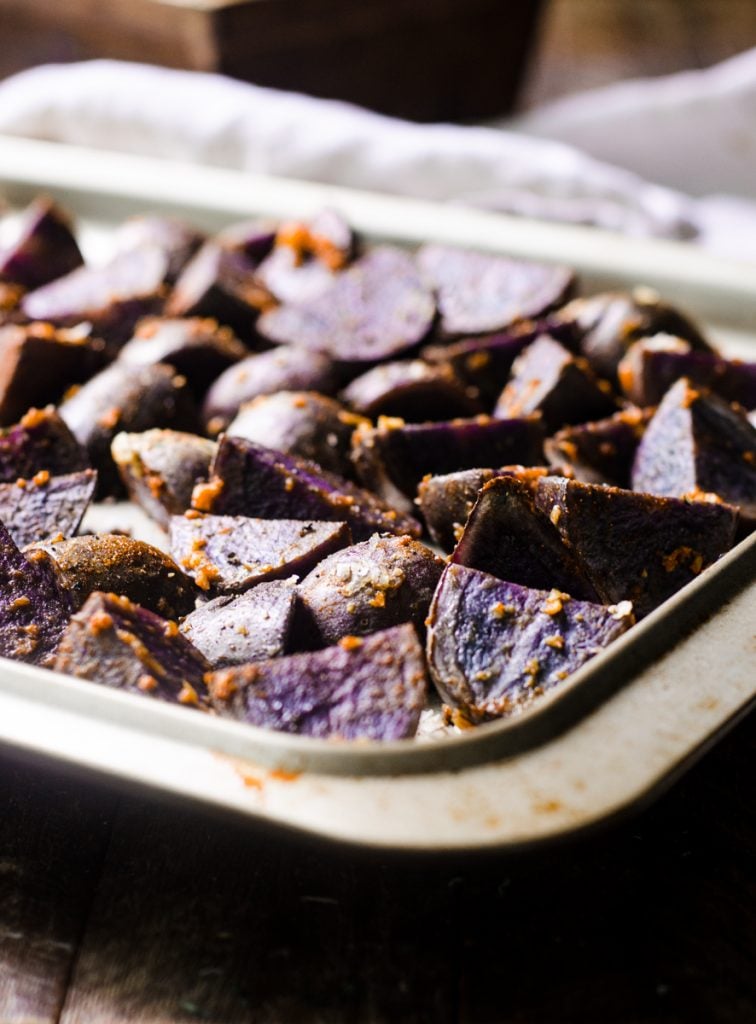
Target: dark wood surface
(121,908)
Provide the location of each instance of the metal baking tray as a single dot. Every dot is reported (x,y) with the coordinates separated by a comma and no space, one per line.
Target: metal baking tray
(616,733)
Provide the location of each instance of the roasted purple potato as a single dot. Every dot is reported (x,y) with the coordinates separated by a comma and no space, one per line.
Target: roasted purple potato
(38,362)
(39,442)
(600,452)
(228,554)
(372,688)
(301,423)
(286,368)
(549,380)
(479,293)
(446,500)
(45,506)
(377,309)
(636,547)
(307,257)
(220,284)
(369,586)
(126,398)
(160,469)
(494,647)
(507,536)
(393,457)
(247,479)
(35,606)
(412,390)
(484,363)
(114,642)
(699,447)
(177,241)
(197,348)
(44,248)
(111,298)
(605,325)
(254,626)
(652,365)
(120,565)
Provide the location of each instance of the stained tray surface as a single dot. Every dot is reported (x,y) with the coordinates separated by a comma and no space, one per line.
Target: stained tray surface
(619,729)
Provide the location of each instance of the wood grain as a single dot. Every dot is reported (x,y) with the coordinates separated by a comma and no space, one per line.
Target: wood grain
(53,835)
(200,918)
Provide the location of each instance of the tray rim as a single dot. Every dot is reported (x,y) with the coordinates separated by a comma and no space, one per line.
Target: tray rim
(27,166)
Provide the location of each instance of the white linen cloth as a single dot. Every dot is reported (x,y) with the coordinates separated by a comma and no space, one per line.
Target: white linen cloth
(214,120)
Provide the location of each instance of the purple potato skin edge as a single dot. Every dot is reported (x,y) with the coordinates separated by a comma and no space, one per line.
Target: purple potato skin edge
(116,643)
(250,480)
(371,689)
(494,647)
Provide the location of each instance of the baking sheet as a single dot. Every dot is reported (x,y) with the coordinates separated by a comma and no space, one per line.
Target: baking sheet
(621,726)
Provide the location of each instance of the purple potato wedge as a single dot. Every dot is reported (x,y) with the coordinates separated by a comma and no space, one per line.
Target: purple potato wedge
(484,363)
(307,257)
(507,536)
(229,554)
(636,547)
(160,469)
(698,446)
(220,284)
(197,348)
(120,565)
(446,500)
(395,456)
(608,323)
(254,626)
(370,586)
(45,247)
(46,506)
(39,441)
(287,368)
(360,689)
(548,379)
(601,452)
(652,365)
(479,293)
(126,398)
(494,647)
(412,390)
(114,642)
(247,479)
(111,298)
(38,362)
(35,606)
(177,241)
(301,423)
(377,309)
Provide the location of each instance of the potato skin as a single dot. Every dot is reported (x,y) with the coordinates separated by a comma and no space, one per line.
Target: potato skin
(379,583)
(120,565)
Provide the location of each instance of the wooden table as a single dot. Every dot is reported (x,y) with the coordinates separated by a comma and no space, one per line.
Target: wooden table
(116,907)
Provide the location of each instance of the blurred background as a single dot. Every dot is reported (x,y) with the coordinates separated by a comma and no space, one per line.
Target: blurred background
(420,59)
